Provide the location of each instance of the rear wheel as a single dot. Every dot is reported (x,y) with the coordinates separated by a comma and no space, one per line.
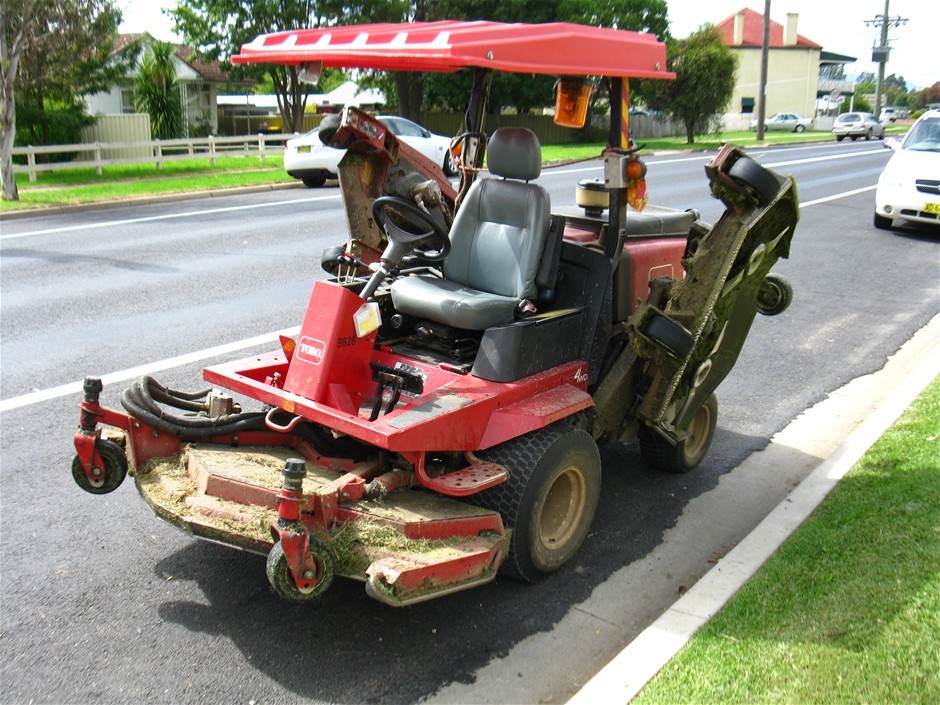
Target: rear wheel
(689,452)
(548,501)
(314,181)
(839,138)
(868,134)
(881,222)
(799,128)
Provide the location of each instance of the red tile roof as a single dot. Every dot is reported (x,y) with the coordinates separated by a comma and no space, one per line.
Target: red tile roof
(754,32)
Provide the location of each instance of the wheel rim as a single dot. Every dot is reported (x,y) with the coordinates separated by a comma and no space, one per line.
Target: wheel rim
(698,432)
(563,508)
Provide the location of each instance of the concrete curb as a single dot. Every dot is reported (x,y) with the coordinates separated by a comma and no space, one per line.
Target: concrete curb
(909,371)
(146,200)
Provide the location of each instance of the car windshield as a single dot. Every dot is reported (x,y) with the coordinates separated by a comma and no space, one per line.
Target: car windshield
(924,137)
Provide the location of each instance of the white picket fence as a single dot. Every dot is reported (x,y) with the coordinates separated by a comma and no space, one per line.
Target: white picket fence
(101,154)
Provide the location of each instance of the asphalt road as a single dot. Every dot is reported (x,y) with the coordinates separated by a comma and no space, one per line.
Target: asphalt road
(101,602)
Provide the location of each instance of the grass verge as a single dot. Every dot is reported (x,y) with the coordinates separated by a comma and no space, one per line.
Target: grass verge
(848,610)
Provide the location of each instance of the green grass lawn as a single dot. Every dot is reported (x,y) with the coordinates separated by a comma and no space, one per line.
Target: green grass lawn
(848,610)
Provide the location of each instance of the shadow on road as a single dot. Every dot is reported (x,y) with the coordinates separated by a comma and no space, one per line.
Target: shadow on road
(349,648)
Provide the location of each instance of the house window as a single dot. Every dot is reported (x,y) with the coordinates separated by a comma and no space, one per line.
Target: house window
(747,105)
(127,101)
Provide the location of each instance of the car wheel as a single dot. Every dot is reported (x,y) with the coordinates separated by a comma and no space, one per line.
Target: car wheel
(449,166)
(799,128)
(855,137)
(839,138)
(868,134)
(881,222)
(314,181)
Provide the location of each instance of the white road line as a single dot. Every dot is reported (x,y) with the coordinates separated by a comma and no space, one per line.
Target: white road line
(135,372)
(810,160)
(166,216)
(124,375)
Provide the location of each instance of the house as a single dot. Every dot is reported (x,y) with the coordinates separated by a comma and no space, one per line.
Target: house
(199,82)
(793,65)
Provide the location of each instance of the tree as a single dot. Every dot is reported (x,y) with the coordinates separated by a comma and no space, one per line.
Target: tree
(705,75)
(52,52)
(217,29)
(158,93)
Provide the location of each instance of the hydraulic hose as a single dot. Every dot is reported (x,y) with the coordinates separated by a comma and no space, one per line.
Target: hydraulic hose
(140,401)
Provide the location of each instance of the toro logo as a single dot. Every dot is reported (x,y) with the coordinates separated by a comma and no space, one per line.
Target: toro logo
(311,350)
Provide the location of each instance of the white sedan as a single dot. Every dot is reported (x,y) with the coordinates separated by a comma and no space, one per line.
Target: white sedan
(909,186)
(308,159)
(788,122)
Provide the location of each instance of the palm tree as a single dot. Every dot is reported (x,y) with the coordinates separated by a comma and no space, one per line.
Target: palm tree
(157,92)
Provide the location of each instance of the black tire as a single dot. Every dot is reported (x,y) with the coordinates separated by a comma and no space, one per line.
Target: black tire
(548,501)
(283,582)
(688,453)
(314,181)
(855,137)
(840,138)
(112,474)
(775,295)
(671,335)
(756,179)
(799,128)
(881,222)
(449,166)
(868,135)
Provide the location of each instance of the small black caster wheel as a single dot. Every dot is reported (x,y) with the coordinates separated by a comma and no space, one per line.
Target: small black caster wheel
(283,582)
(111,475)
(774,296)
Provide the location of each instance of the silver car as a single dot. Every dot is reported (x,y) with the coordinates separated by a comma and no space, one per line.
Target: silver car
(788,122)
(857,125)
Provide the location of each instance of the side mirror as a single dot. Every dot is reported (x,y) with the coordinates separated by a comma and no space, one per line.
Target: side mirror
(891,142)
(426,133)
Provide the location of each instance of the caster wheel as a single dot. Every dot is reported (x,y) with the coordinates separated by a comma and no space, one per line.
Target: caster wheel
(283,582)
(687,454)
(774,296)
(112,474)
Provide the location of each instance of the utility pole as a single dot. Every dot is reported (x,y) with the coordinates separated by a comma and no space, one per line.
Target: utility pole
(879,53)
(762,89)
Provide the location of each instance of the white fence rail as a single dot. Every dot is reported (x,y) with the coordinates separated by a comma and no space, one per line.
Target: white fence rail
(101,154)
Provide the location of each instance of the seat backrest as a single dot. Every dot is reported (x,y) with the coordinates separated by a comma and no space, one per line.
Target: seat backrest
(500,229)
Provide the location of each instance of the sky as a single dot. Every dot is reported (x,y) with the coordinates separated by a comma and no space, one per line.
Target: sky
(838,26)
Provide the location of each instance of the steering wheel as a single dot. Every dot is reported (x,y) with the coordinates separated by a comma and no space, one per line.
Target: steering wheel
(428,237)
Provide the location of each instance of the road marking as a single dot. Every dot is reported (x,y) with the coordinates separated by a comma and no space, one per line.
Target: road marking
(810,160)
(837,196)
(135,372)
(166,216)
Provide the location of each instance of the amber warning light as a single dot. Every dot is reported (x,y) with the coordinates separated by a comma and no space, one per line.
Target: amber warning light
(572,102)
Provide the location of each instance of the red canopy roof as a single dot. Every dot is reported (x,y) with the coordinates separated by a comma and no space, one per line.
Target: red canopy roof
(558,49)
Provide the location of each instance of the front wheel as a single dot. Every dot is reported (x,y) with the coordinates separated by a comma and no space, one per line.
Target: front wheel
(687,453)
(548,501)
(881,222)
(109,477)
(282,580)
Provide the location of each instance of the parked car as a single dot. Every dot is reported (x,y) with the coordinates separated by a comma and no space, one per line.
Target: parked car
(891,113)
(787,122)
(909,186)
(308,159)
(857,125)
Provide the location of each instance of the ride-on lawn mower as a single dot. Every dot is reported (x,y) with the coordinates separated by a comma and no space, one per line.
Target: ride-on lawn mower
(437,419)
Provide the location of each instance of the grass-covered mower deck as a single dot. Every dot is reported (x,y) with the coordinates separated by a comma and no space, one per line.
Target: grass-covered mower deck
(438,416)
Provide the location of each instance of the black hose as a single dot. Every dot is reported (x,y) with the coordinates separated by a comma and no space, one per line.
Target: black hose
(138,401)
